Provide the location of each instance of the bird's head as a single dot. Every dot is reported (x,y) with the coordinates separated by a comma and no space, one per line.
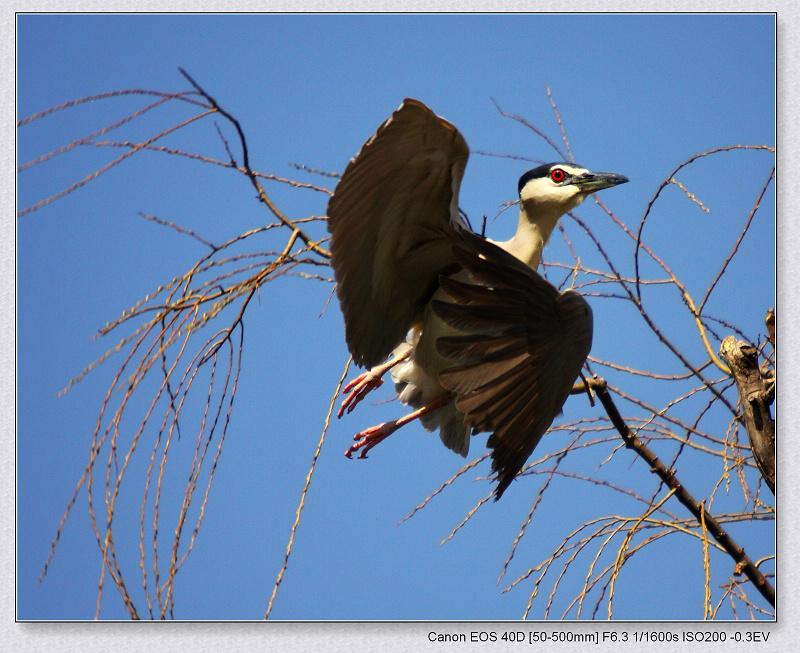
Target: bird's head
(553,189)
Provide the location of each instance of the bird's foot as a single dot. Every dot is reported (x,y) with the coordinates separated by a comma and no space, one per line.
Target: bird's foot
(371,437)
(365,383)
(376,434)
(359,388)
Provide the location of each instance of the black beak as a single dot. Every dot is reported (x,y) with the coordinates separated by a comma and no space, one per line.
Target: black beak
(591,182)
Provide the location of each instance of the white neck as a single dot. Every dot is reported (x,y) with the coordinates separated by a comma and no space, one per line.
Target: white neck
(531,237)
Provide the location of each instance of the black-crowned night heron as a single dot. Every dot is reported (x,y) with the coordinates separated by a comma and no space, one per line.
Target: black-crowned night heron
(481,341)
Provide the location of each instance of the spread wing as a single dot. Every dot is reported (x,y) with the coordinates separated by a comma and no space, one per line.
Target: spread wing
(523,346)
(392,220)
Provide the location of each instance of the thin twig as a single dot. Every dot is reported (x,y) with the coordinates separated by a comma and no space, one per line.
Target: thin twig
(306,486)
(743,562)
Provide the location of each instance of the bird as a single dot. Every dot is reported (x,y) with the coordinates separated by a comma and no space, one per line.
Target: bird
(477,341)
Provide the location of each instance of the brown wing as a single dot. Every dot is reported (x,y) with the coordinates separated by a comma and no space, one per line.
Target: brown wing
(391,220)
(523,348)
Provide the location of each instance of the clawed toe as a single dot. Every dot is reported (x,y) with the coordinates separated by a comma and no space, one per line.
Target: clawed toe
(370,437)
(365,383)
(359,388)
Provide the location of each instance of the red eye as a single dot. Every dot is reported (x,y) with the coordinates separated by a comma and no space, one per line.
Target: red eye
(558,175)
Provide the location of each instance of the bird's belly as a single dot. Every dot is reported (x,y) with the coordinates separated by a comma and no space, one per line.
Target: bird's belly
(425,359)
(417,378)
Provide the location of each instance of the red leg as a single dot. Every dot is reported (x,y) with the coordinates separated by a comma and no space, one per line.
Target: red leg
(376,434)
(365,383)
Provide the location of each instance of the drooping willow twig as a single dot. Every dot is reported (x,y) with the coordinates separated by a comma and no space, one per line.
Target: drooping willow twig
(171,317)
(161,348)
(718,389)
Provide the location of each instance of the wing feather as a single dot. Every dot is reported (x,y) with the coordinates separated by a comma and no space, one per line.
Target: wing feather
(393,219)
(523,346)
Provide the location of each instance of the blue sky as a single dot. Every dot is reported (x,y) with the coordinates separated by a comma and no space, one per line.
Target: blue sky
(637,95)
